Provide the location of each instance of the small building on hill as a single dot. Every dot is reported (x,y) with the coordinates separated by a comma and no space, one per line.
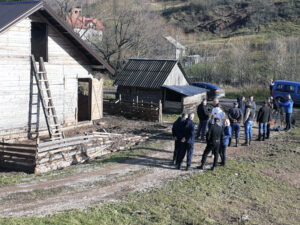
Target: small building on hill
(32,28)
(154,80)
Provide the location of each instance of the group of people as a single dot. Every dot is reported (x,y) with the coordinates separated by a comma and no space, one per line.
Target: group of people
(219,130)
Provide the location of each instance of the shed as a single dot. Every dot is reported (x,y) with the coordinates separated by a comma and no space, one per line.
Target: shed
(185,98)
(32,28)
(148,79)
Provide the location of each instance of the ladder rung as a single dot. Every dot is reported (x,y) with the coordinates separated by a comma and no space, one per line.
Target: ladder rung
(40,72)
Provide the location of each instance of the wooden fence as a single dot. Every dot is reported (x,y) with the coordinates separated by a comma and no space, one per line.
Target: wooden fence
(20,157)
(148,111)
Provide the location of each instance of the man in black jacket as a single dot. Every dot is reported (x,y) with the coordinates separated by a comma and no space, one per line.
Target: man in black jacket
(187,142)
(177,132)
(263,117)
(235,116)
(214,139)
(203,114)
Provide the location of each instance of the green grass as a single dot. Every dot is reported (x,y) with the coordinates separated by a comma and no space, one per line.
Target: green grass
(220,197)
(260,94)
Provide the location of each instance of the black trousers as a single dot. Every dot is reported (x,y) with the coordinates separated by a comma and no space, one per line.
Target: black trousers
(178,146)
(288,119)
(223,154)
(215,150)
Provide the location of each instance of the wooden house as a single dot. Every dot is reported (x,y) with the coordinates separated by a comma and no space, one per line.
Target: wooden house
(154,80)
(32,28)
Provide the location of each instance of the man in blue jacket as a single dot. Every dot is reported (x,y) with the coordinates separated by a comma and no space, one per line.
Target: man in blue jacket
(188,142)
(177,133)
(288,108)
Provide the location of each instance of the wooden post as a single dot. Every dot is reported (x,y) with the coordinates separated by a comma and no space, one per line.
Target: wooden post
(160,112)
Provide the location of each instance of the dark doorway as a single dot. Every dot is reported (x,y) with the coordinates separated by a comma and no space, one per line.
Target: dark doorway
(39,41)
(84,99)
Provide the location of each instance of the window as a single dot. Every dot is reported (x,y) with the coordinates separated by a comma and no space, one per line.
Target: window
(39,41)
(290,88)
(280,87)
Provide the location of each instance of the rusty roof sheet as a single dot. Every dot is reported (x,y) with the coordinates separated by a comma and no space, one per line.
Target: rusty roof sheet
(146,73)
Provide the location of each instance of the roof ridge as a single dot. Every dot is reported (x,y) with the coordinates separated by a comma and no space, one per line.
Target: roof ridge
(20,2)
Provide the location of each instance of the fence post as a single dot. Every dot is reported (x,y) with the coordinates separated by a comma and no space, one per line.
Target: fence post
(160,112)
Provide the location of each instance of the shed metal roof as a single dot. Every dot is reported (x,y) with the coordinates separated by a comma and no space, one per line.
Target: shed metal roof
(187,90)
(146,73)
(13,12)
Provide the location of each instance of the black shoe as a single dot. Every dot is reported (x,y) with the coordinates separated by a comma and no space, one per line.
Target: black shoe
(249,141)
(212,169)
(259,138)
(178,167)
(236,142)
(222,164)
(246,142)
(188,168)
(264,137)
(200,167)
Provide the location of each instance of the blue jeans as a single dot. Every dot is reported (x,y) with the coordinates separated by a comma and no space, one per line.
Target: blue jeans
(263,128)
(236,130)
(248,129)
(202,128)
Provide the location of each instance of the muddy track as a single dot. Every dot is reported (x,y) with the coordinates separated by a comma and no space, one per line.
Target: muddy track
(111,182)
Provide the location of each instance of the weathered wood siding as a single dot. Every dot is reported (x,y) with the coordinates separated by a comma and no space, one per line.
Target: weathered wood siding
(143,94)
(65,65)
(176,77)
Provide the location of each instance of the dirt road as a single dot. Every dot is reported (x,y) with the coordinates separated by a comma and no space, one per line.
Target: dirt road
(91,186)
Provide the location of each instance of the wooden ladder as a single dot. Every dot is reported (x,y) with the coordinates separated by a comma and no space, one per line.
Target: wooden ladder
(45,96)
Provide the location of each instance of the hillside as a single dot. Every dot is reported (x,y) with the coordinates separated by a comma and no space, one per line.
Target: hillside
(230,17)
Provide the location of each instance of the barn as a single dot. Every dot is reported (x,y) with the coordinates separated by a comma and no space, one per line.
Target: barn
(154,80)
(33,36)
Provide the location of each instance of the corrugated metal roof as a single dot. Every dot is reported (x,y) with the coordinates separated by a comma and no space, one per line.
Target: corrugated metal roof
(187,90)
(12,12)
(146,73)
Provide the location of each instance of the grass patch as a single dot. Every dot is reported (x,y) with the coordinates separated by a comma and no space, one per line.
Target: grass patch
(221,197)
(260,93)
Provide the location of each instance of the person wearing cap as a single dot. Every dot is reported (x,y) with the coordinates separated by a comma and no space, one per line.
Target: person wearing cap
(203,115)
(214,138)
(217,111)
(177,133)
(263,117)
(288,108)
(188,142)
(235,116)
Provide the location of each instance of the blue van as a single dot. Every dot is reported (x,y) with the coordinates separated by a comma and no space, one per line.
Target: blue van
(282,88)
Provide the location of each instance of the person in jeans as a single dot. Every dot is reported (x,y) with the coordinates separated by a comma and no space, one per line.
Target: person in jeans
(288,108)
(203,114)
(249,120)
(235,117)
(263,117)
(224,144)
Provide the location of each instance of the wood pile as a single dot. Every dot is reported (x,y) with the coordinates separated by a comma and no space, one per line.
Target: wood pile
(53,155)
(140,110)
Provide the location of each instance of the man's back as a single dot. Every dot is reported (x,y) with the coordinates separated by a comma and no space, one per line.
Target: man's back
(215,134)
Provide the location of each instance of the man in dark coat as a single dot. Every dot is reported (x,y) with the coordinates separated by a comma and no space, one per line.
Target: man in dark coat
(263,117)
(203,114)
(242,104)
(214,139)
(177,133)
(235,116)
(187,142)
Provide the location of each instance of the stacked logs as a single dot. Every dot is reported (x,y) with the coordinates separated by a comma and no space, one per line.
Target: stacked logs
(60,154)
